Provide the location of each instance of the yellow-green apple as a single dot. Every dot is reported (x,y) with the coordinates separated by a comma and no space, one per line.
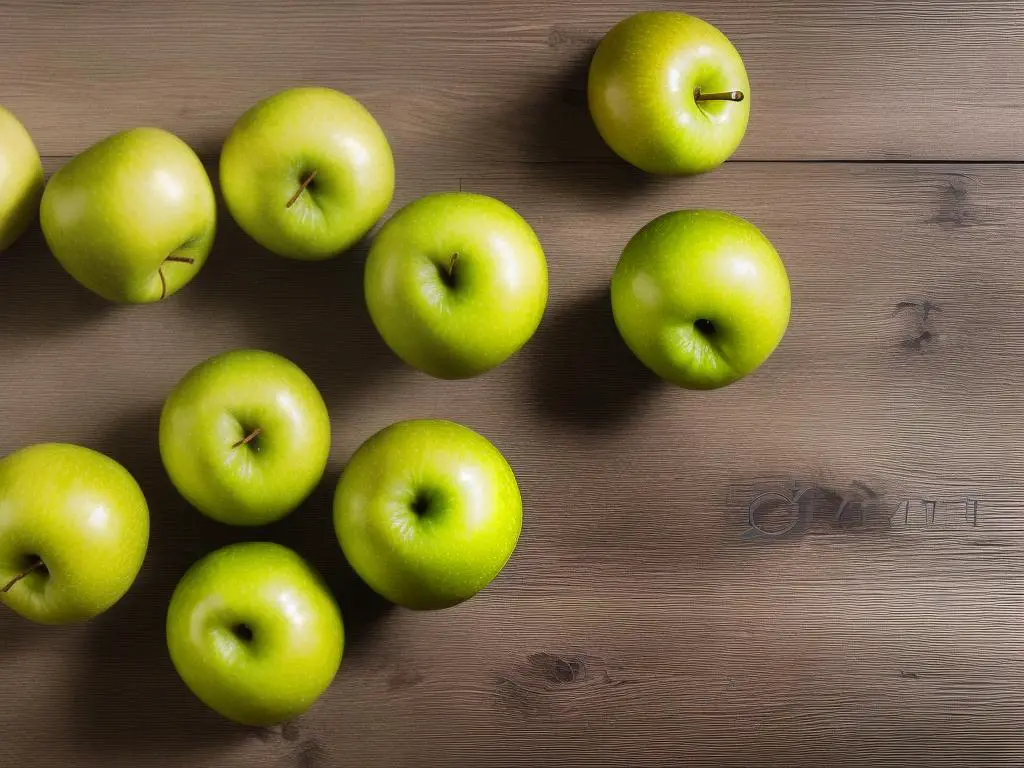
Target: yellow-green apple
(701,297)
(74,527)
(307,172)
(21,179)
(254,632)
(133,217)
(245,437)
(456,283)
(669,93)
(427,513)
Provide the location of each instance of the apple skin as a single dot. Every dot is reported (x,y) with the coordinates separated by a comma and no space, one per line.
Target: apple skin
(124,212)
(456,322)
(255,633)
(427,513)
(84,516)
(641,91)
(689,268)
(21,179)
(278,143)
(224,400)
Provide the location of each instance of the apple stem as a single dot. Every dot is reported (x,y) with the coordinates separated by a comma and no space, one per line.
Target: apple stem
(724,96)
(305,183)
(248,438)
(163,280)
(452,263)
(7,587)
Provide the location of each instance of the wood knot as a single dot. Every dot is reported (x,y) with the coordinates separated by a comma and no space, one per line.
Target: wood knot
(955,208)
(558,669)
(560,38)
(919,316)
(546,684)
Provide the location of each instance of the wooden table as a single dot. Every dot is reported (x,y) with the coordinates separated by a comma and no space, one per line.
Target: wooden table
(820,565)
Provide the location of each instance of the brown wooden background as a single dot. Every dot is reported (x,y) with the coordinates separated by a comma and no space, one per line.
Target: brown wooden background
(643,621)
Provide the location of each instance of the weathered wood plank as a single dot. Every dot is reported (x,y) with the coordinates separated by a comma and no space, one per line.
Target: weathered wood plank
(463,85)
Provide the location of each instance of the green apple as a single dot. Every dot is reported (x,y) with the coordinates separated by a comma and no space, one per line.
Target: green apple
(307,173)
(21,179)
(701,297)
(245,437)
(669,93)
(254,632)
(427,513)
(133,217)
(456,283)
(74,527)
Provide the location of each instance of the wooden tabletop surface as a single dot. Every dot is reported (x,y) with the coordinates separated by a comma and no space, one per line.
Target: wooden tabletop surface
(820,565)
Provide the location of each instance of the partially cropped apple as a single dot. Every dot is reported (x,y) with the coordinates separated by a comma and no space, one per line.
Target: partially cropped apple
(307,172)
(133,217)
(74,527)
(428,513)
(254,632)
(701,297)
(669,93)
(456,283)
(21,179)
(245,436)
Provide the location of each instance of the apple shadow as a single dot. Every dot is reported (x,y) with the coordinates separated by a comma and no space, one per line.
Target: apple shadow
(42,299)
(313,313)
(309,530)
(17,631)
(561,138)
(129,699)
(586,375)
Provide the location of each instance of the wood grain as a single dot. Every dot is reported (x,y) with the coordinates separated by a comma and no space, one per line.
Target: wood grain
(460,84)
(654,613)
(819,565)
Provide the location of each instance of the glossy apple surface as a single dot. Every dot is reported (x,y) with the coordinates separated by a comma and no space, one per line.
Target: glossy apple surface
(133,217)
(74,526)
(428,513)
(701,297)
(669,93)
(456,283)
(307,172)
(245,436)
(21,179)
(254,632)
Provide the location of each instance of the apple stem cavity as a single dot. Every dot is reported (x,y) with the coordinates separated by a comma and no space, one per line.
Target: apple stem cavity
(305,183)
(248,438)
(706,327)
(448,272)
(34,567)
(723,96)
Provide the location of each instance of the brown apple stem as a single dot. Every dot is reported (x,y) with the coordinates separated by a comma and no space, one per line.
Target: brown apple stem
(181,259)
(305,183)
(163,284)
(7,587)
(248,438)
(724,96)
(452,263)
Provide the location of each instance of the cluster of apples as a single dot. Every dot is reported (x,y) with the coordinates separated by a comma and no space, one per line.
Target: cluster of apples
(426,512)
